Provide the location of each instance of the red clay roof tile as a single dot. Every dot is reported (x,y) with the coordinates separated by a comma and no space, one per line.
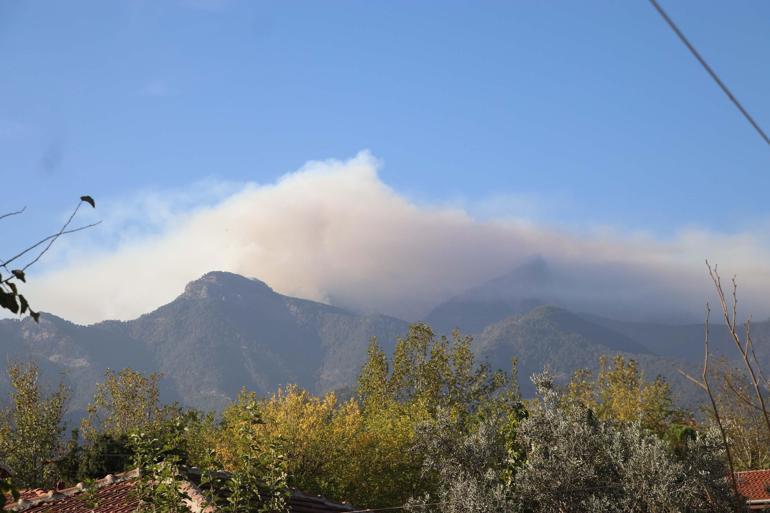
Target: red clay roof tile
(753,484)
(114,495)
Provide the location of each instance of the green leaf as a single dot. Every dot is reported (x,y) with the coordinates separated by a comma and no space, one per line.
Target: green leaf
(6,488)
(89,200)
(24,304)
(8,301)
(19,274)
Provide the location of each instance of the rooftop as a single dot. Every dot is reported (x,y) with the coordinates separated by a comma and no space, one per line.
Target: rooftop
(754,485)
(113,495)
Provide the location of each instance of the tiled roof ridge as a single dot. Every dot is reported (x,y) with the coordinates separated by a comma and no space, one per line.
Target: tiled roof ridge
(296,493)
(24,504)
(301,501)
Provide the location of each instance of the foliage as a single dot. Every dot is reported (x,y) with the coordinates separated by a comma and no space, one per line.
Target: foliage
(7,490)
(108,453)
(473,467)
(197,435)
(126,401)
(430,428)
(621,393)
(569,460)
(18,423)
(159,488)
(468,444)
(259,481)
(363,450)
(103,454)
(429,380)
(435,383)
(31,428)
(307,432)
(89,497)
(578,462)
(435,372)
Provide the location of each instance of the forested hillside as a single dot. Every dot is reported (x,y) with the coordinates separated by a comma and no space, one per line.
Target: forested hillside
(223,333)
(226,331)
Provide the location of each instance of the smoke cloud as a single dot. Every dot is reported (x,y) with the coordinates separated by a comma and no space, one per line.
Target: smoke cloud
(334,232)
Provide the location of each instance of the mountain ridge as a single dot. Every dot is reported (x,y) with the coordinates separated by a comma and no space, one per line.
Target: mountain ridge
(225,331)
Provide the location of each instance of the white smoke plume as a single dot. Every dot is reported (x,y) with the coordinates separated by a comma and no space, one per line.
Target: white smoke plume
(333,231)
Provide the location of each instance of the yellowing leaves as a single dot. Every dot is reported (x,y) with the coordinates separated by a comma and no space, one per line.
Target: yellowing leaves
(331,448)
(620,392)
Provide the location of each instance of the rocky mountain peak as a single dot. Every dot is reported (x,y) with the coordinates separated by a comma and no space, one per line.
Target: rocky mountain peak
(221,284)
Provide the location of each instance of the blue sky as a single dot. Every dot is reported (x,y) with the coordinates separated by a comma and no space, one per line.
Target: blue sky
(572,114)
(593,111)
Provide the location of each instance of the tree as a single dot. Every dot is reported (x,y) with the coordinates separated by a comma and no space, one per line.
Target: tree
(577,462)
(436,383)
(364,450)
(568,460)
(15,302)
(327,447)
(156,455)
(472,467)
(104,454)
(620,392)
(259,481)
(434,371)
(125,402)
(742,420)
(749,386)
(31,428)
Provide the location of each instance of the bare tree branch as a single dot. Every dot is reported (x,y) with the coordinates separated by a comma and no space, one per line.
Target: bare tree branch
(10,298)
(733,330)
(707,386)
(9,214)
(694,380)
(54,236)
(739,394)
(53,239)
(750,345)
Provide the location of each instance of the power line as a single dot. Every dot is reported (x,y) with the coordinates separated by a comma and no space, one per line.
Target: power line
(710,71)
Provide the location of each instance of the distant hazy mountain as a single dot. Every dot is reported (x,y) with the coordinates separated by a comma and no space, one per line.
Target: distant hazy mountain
(223,333)
(680,341)
(552,337)
(543,316)
(589,289)
(516,293)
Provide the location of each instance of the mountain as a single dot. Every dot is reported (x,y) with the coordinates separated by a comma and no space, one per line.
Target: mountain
(223,333)
(524,288)
(681,341)
(79,354)
(555,338)
(588,289)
